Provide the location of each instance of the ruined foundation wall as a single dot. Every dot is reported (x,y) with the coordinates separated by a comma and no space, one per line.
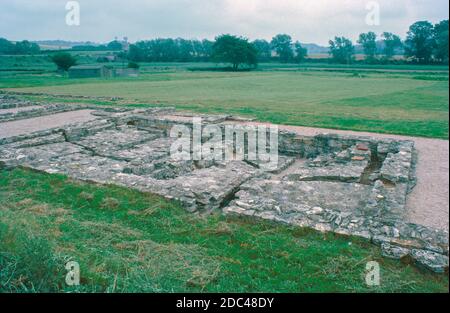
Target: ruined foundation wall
(349,185)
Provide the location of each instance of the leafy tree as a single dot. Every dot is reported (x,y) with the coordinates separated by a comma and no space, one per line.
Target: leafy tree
(300,52)
(63,60)
(342,50)
(282,44)
(263,49)
(6,46)
(391,43)
(157,50)
(133,65)
(197,48)
(441,41)
(121,55)
(115,46)
(22,47)
(136,53)
(369,44)
(207,49)
(234,50)
(185,50)
(166,50)
(26,47)
(201,50)
(420,42)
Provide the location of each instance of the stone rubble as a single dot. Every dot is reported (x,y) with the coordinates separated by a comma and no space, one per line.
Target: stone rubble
(27,109)
(349,185)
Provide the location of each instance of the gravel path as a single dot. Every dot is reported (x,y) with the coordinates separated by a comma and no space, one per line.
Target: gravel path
(428,204)
(25,126)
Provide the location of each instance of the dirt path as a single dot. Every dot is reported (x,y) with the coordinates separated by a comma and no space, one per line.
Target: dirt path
(25,126)
(428,204)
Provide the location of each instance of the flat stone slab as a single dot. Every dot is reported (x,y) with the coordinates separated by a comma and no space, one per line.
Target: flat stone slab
(286,197)
(19,109)
(107,142)
(144,153)
(199,190)
(35,124)
(34,156)
(338,172)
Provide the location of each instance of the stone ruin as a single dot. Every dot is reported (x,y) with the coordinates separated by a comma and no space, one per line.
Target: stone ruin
(348,185)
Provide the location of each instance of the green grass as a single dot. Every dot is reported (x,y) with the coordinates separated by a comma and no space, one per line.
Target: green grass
(126,241)
(403,99)
(357,66)
(379,102)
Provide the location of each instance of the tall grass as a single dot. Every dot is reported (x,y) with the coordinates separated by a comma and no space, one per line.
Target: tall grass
(143,243)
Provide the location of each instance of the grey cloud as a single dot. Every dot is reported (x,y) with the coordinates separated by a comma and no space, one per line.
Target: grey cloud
(307,20)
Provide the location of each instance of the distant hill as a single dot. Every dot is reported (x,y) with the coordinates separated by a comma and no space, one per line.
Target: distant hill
(380,48)
(315,48)
(62,44)
(312,48)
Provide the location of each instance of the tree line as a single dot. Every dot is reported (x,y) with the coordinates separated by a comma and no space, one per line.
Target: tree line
(425,43)
(281,48)
(22,47)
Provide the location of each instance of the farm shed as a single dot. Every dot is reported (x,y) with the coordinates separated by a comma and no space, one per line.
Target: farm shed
(85,71)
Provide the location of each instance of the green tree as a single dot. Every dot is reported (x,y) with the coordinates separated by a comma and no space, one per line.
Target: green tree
(185,50)
(163,50)
(21,47)
(264,50)
(6,46)
(369,43)
(115,45)
(197,48)
(63,60)
(234,50)
(420,42)
(26,47)
(282,44)
(133,65)
(300,52)
(441,41)
(136,53)
(207,48)
(342,50)
(391,43)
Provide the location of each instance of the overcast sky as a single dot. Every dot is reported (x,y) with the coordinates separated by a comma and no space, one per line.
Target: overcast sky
(306,20)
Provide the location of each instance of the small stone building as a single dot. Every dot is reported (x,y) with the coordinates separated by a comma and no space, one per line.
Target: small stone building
(101,71)
(89,71)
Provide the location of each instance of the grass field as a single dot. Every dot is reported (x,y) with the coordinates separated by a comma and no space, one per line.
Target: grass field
(126,241)
(407,99)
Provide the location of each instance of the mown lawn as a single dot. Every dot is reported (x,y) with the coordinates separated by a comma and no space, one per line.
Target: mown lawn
(401,103)
(126,241)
